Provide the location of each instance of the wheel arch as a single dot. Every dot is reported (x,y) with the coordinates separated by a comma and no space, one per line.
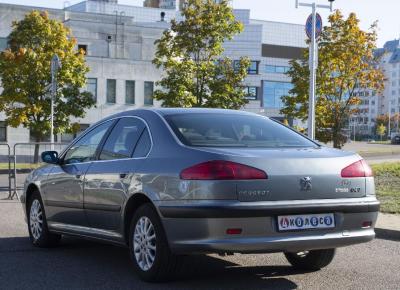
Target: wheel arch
(29,191)
(133,203)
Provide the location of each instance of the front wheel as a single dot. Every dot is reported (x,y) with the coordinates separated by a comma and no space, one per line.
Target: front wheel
(150,253)
(311,260)
(37,224)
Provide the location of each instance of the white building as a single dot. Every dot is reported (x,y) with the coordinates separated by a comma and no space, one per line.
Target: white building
(385,103)
(119,44)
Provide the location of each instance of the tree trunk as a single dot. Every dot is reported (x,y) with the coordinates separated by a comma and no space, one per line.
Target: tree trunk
(336,136)
(37,147)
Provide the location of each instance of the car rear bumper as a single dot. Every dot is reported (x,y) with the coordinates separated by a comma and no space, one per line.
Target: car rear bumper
(220,209)
(200,226)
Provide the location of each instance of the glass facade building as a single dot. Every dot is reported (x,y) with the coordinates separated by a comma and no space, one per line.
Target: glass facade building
(273,93)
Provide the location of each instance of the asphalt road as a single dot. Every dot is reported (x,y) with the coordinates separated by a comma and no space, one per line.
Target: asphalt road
(81,264)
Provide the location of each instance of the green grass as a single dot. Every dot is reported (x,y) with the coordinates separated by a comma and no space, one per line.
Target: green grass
(380,142)
(20,165)
(387,182)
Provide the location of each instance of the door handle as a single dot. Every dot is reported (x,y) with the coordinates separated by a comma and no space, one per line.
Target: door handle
(123,175)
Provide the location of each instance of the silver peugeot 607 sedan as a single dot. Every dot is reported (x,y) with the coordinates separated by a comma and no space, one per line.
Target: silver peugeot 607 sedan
(172,182)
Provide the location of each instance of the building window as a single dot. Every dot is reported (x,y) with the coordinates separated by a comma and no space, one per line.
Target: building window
(91,87)
(3,131)
(276,69)
(253,68)
(236,65)
(250,93)
(3,43)
(111,91)
(130,92)
(273,93)
(82,47)
(148,93)
(68,137)
(270,69)
(280,69)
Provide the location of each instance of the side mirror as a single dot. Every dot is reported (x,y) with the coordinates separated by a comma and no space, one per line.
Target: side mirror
(50,157)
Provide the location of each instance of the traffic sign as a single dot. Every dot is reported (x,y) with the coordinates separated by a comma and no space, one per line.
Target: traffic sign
(318,26)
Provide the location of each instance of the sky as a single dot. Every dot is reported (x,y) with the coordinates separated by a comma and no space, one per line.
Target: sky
(387,12)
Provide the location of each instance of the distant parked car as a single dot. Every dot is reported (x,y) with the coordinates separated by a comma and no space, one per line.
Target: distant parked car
(396,139)
(172,182)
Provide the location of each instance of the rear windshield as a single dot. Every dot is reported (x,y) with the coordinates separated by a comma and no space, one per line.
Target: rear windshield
(234,130)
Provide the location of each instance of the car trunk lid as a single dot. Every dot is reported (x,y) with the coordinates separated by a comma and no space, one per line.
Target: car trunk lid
(297,174)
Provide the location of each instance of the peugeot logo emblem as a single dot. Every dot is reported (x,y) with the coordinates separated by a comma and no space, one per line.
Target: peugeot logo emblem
(305,183)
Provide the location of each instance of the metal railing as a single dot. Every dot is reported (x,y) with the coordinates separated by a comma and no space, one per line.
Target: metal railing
(9,171)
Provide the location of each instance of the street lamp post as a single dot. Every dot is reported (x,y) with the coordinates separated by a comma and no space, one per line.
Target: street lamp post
(313,63)
(55,66)
(389,133)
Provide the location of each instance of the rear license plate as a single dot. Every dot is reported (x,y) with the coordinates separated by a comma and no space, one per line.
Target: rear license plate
(306,222)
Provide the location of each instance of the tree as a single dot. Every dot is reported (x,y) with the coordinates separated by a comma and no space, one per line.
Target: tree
(384,119)
(381,130)
(195,73)
(285,122)
(26,77)
(346,63)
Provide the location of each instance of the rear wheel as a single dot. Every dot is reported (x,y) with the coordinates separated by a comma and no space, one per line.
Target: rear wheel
(311,260)
(37,224)
(150,253)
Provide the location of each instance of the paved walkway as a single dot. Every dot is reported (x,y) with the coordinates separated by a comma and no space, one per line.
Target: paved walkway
(388,221)
(382,159)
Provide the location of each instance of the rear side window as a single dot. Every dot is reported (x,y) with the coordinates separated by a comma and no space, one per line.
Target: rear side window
(123,139)
(143,146)
(234,130)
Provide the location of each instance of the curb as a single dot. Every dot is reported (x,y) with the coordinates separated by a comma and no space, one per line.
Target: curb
(22,170)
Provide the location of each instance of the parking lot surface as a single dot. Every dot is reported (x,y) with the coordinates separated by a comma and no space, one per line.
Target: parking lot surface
(82,264)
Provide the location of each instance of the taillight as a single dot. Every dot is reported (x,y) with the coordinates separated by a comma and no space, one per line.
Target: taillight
(357,169)
(220,170)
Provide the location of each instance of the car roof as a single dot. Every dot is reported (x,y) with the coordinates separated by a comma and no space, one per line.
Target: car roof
(175,111)
(141,112)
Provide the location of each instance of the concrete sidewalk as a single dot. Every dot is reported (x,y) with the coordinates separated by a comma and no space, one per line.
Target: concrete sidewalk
(382,159)
(388,221)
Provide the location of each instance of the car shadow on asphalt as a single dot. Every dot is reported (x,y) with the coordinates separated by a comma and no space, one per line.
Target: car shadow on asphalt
(386,234)
(85,264)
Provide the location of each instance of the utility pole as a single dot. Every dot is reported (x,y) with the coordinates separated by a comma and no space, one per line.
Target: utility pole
(313,63)
(55,66)
(390,112)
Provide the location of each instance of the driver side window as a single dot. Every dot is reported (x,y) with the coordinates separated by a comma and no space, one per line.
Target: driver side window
(85,148)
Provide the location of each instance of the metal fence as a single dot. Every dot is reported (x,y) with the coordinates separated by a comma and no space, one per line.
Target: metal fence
(16,165)
(5,169)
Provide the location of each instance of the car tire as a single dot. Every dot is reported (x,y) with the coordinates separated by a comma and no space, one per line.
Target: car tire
(149,250)
(39,233)
(313,260)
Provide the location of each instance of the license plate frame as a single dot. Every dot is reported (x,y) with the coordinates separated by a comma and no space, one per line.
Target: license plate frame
(305,222)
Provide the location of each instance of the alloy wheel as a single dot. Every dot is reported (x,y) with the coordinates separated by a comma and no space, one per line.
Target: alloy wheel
(144,243)
(36,219)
